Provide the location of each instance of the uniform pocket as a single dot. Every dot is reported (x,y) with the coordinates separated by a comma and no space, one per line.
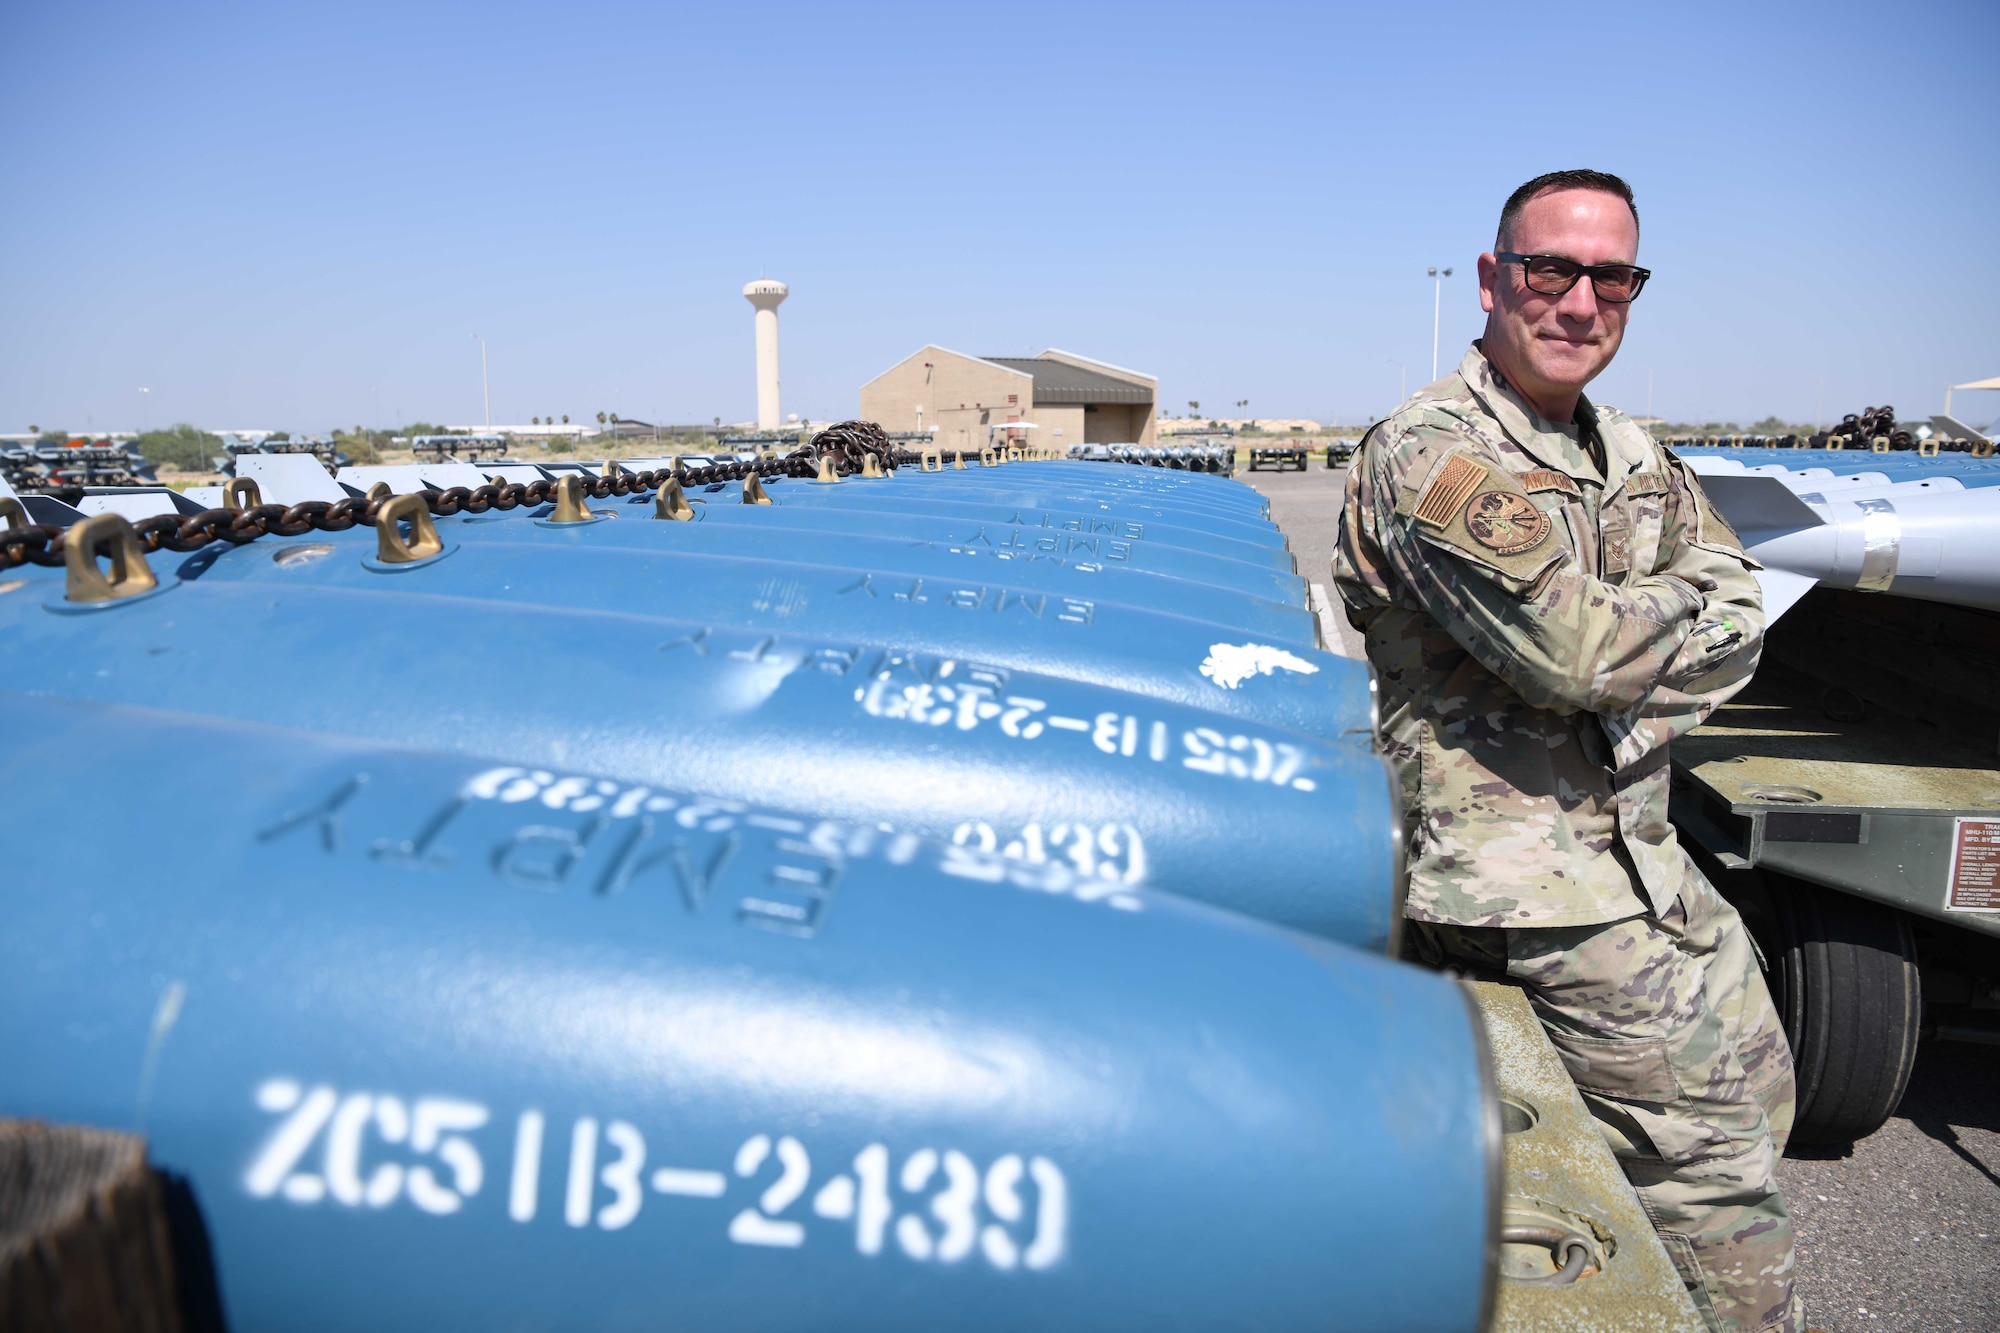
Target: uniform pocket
(1636,1069)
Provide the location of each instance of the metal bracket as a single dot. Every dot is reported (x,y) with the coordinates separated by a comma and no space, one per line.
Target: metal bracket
(242,493)
(424,542)
(570,507)
(753,491)
(14,513)
(111,536)
(670,501)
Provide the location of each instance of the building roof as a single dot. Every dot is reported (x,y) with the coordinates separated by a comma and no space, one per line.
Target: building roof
(1059,382)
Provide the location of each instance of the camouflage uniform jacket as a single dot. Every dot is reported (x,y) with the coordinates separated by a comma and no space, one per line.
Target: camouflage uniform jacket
(1539,631)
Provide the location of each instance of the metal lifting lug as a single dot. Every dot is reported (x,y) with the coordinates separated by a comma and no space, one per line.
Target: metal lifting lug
(958,460)
(380,491)
(110,536)
(423,542)
(13,513)
(241,493)
(1574,1253)
(671,502)
(871,468)
(753,491)
(933,461)
(989,458)
(569,501)
(612,467)
(826,476)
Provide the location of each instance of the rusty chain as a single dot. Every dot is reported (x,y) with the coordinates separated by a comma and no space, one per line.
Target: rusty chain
(849,443)
(846,444)
(42,544)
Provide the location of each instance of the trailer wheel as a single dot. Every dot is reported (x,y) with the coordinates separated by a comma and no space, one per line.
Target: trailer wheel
(1844,977)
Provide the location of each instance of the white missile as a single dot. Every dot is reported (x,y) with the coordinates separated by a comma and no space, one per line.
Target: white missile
(1934,540)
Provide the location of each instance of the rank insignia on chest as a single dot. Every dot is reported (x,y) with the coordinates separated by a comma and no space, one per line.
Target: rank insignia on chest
(1506,523)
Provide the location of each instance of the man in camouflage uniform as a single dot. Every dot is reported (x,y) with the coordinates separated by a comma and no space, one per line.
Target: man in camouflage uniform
(1548,600)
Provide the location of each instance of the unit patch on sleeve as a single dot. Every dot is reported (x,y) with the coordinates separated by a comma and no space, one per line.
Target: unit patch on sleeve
(1506,523)
(1448,489)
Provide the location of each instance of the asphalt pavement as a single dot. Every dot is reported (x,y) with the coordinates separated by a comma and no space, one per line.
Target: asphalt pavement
(1901,1231)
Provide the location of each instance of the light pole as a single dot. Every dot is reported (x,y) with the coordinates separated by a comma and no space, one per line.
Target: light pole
(485,393)
(1437,309)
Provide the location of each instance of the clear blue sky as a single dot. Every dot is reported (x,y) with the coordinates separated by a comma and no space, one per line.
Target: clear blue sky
(294,216)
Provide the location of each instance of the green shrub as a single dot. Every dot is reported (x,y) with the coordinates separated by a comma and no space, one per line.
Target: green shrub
(182,448)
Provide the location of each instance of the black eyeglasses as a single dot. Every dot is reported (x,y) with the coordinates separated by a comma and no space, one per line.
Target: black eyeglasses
(1552,275)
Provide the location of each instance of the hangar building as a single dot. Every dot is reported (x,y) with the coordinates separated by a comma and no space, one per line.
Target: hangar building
(1058,398)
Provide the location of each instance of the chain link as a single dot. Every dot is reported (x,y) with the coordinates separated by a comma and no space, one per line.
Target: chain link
(42,544)
(847,443)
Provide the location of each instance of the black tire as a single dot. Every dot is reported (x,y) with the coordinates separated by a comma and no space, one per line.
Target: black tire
(1844,976)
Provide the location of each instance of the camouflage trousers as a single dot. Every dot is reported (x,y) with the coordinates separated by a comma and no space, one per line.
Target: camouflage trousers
(1670,1034)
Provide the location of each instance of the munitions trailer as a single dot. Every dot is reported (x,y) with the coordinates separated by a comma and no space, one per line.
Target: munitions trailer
(1280,456)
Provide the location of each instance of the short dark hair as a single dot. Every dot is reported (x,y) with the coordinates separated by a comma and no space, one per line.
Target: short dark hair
(1578,178)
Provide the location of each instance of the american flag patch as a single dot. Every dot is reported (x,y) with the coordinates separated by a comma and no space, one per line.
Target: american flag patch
(1646,483)
(1548,479)
(1449,490)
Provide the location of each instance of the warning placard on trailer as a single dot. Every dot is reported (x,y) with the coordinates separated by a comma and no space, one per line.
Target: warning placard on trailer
(1975,867)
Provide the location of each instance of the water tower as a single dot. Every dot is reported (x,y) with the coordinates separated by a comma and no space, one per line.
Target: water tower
(766,294)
